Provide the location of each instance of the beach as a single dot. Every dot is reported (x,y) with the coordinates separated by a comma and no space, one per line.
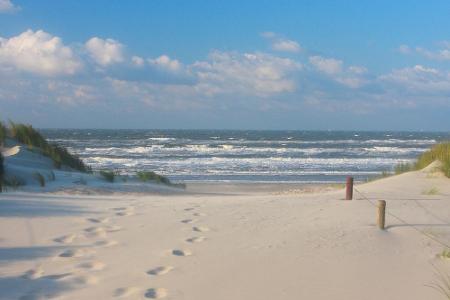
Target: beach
(229,242)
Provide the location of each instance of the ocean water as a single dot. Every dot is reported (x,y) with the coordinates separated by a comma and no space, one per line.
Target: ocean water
(259,156)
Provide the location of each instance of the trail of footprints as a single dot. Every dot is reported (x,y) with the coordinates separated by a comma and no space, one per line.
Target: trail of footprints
(82,274)
(159,293)
(100,228)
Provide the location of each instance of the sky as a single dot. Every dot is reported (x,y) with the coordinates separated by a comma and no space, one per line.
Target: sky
(207,64)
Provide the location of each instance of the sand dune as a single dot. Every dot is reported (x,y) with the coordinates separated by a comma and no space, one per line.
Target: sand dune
(242,246)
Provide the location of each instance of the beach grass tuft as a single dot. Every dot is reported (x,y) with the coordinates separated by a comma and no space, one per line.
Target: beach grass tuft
(40,178)
(431,191)
(2,172)
(108,175)
(14,181)
(145,176)
(442,283)
(3,133)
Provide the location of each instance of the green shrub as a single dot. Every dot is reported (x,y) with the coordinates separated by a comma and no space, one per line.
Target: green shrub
(152,176)
(40,178)
(108,175)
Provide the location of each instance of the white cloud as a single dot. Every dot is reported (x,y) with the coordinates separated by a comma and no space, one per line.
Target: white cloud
(443,53)
(404,49)
(249,73)
(7,6)
(67,93)
(138,61)
(419,78)
(352,77)
(286,46)
(38,52)
(105,51)
(268,34)
(281,44)
(166,63)
(329,66)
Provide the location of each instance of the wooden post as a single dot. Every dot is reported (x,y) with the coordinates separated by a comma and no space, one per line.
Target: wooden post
(349,188)
(381,213)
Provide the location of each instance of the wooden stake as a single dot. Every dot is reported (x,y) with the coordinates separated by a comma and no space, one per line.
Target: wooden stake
(381,214)
(349,188)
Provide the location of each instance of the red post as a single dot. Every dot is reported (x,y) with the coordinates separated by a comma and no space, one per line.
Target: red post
(349,188)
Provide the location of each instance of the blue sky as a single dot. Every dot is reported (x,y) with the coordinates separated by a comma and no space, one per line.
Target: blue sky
(363,65)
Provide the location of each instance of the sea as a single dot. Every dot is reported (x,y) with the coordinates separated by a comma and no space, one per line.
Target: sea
(247,155)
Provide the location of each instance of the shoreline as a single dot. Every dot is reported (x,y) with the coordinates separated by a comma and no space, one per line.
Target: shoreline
(248,187)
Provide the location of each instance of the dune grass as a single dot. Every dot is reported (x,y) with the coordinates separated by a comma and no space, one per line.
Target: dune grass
(440,152)
(29,136)
(146,176)
(3,132)
(108,175)
(431,191)
(40,178)
(2,172)
(441,283)
(152,176)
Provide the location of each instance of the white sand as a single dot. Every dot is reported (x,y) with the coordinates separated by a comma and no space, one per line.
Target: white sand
(217,246)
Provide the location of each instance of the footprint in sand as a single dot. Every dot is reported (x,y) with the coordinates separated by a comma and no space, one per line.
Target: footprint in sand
(188,221)
(196,239)
(40,295)
(120,208)
(160,270)
(86,280)
(92,265)
(201,229)
(66,239)
(126,292)
(126,213)
(180,252)
(200,214)
(98,220)
(57,276)
(96,231)
(113,228)
(74,253)
(156,293)
(105,243)
(33,273)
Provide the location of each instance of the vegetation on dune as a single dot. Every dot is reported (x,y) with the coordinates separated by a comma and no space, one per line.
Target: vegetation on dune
(108,175)
(29,136)
(14,182)
(440,152)
(2,172)
(441,283)
(152,176)
(146,176)
(3,132)
(60,156)
(40,178)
